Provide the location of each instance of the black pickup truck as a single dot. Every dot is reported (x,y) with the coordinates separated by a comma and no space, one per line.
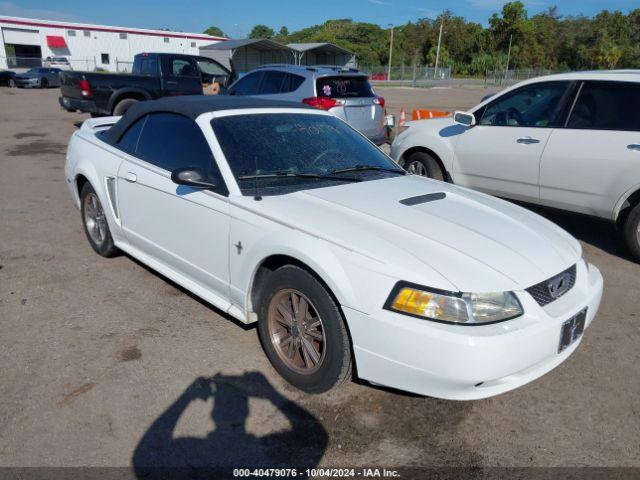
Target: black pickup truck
(154,75)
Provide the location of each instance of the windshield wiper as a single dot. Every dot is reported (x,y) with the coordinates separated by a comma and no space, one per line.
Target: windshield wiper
(300,175)
(359,168)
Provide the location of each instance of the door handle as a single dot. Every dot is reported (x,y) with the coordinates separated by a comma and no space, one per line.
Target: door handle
(131,177)
(634,146)
(171,82)
(528,140)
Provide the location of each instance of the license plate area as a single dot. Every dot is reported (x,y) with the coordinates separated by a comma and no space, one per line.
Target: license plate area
(572,329)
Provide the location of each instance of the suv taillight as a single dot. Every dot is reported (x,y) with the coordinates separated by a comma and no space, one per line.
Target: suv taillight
(85,88)
(379,101)
(323,103)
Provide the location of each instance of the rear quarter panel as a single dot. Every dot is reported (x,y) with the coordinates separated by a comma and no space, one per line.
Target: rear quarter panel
(89,157)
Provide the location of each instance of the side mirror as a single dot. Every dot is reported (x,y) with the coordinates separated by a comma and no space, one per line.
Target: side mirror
(464,118)
(192,177)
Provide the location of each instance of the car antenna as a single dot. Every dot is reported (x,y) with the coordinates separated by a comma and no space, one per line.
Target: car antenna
(256,196)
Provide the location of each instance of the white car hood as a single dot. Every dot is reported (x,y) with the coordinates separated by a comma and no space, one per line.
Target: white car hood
(475,242)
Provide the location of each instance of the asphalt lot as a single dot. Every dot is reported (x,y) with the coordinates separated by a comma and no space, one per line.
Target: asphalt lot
(99,358)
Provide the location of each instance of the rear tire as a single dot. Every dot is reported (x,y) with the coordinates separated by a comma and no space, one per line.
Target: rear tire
(632,232)
(44,83)
(308,344)
(95,224)
(123,105)
(425,165)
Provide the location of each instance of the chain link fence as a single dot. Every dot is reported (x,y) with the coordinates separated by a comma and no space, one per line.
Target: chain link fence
(25,63)
(22,62)
(510,77)
(407,75)
(123,66)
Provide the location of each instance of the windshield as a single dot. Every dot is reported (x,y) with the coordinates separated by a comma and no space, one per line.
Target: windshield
(37,70)
(259,145)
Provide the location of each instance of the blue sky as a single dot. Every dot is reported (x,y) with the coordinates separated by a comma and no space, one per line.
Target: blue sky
(237,17)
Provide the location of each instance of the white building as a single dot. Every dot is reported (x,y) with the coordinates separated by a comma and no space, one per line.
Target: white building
(26,42)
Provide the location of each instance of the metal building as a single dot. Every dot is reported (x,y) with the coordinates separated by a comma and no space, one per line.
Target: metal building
(27,42)
(322,53)
(248,53)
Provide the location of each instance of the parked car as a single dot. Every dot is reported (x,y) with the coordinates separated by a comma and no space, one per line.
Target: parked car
(7,78)
(40,77)
(154,75)
(284,215)
(569,141)
(58,62)
(344,92)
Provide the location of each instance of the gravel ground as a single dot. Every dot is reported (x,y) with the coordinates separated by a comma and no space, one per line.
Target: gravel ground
(106,363)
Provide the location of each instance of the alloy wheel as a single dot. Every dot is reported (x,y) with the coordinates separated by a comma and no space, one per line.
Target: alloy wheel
(296,331)
(94,219)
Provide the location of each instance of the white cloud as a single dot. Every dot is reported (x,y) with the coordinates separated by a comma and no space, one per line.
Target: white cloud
(12,10)
(379,2)
(428,12)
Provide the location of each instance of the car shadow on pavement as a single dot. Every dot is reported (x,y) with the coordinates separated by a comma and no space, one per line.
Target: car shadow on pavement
(222,313)
(229,445)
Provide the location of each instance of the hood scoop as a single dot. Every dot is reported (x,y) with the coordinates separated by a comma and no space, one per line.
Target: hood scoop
(429,197)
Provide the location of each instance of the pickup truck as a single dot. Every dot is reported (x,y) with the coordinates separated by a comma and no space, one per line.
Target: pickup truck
(154,75)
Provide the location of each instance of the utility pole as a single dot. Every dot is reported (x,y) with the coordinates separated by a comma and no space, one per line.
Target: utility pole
(435,70)
(506,70)
(390,53)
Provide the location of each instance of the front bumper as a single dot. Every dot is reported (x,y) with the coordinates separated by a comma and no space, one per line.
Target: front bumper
(459,362)
(27,83)
(76,104)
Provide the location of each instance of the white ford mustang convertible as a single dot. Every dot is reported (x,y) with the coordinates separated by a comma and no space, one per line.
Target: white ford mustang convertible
(283,215)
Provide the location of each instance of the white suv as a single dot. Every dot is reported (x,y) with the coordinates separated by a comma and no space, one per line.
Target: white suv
(569,141)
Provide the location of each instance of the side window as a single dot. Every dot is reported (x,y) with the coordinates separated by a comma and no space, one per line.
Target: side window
(172,141)
(149,66)
(129,141)
(211,68)
(607,106)
(293,83)
(530,106)
(272,82)
(247,85)
(183,68)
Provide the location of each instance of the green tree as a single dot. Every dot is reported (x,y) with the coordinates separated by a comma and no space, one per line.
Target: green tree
(261,31)
(214,31)
(284,31)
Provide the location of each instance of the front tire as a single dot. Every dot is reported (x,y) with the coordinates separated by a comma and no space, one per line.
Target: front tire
(632,232)
(95,224)
(302,331)
(44,83)
(425,165)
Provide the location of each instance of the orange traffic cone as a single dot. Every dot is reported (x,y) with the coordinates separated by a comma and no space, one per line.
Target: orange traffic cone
(403,117)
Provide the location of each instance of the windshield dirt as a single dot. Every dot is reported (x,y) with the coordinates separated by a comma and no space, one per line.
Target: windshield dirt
(266,151)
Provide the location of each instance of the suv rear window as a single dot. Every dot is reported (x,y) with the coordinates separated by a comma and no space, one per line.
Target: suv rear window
(344,87)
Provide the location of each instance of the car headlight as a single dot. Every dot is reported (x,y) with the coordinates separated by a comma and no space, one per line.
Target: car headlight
(454,307)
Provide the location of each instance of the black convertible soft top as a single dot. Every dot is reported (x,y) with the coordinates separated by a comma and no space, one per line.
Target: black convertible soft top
(191,106)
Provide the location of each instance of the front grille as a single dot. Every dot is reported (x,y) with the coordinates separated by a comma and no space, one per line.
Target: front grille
(553,288)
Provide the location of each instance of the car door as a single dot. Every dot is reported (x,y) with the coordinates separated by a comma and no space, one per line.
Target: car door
(180,76)
(595,158)
(186,229)
(501,153)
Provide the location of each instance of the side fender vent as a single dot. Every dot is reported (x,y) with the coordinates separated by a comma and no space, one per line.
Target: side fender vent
(111,193)
(429,197)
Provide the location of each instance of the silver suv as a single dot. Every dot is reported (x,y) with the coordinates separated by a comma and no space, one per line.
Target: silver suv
(345,92)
